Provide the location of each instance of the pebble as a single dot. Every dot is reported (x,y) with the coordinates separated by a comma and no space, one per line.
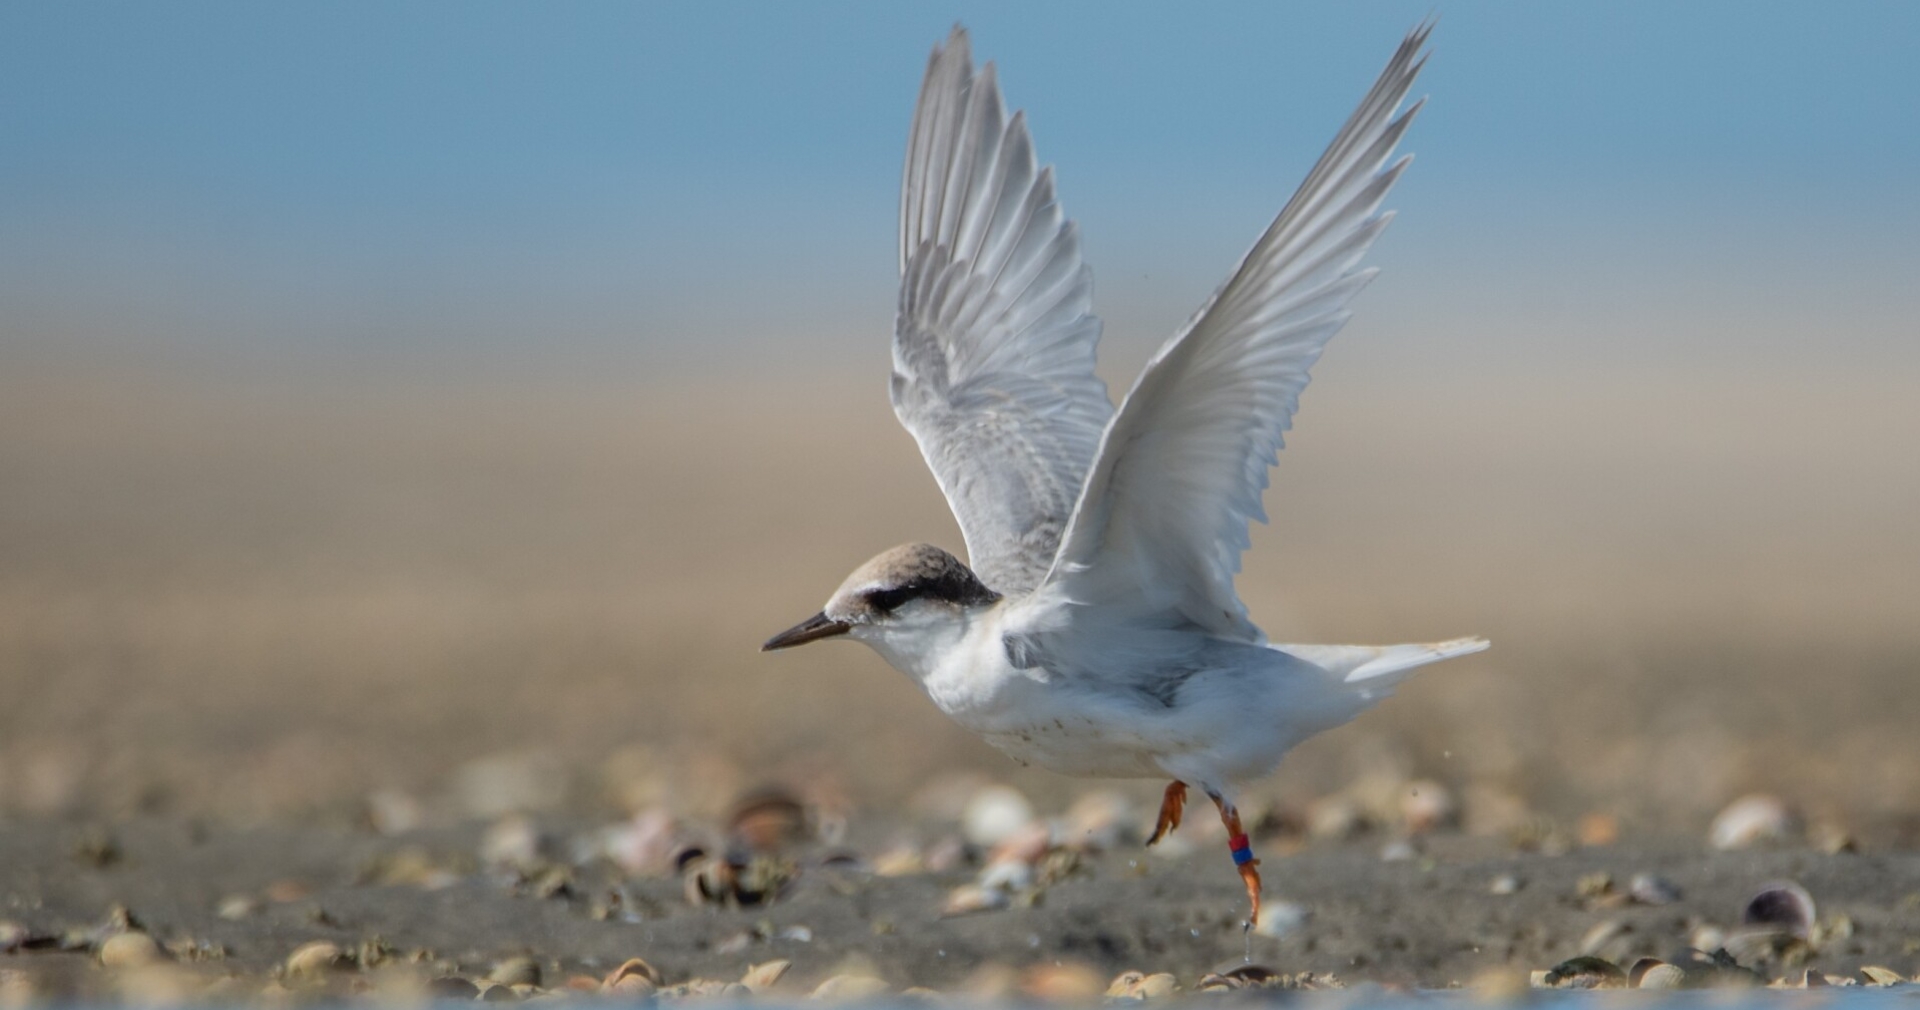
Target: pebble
(1504,884)
(130,949)
(1783,906)
(516,971)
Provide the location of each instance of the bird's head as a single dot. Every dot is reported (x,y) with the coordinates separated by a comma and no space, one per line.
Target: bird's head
(902,594)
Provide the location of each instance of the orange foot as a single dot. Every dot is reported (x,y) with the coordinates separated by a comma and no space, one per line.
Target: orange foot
(1171,805)
(1242,850)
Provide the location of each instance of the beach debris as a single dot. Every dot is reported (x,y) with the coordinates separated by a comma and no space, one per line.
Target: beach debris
(1751,820)
(315,958)
(1877,975)
(1254,976)
(635,978)
(1583,972)
(1652,889)
(130,949)
(849,988)
(1783,906)
(1662,975)
(515,971)
(767,820)
(1136,985)
(993,814)
(765,975)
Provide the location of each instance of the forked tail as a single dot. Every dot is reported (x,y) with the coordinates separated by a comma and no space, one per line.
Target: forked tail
(1376,669)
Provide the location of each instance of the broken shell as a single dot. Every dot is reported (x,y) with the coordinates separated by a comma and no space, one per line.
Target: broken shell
(313,958)
(130,949)
(1140,986)
(1783,906)
(1585,972)
(1651,889)
(632,987)
(1810,979)
(993,814)
(1663,976)
(1750,820)
(235,907)
(516,971)
(633,967)
(765,975)
(1639,968)
(1876,975)
(846,988)
(768,819)
(968,898)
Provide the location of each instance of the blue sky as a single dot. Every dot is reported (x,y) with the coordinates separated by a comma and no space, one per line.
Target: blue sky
(596,185)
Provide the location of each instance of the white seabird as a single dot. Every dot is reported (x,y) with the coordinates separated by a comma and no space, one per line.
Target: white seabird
(1097,631)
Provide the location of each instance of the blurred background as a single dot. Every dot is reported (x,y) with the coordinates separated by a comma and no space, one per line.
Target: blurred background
(390,396)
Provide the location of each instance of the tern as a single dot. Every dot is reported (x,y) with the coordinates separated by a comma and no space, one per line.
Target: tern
(1095,630)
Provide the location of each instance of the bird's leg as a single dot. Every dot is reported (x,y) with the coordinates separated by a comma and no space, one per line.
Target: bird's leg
(1242,853)
(1171,805)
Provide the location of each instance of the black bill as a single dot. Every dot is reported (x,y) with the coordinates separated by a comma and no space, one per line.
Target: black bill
(810,630)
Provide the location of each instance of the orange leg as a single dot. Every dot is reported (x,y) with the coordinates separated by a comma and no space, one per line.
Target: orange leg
(1171,805)
(1242,853)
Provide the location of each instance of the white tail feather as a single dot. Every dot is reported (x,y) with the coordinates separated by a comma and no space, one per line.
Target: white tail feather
(1356,663)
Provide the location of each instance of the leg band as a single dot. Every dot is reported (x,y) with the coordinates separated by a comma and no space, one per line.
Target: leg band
(1242,850)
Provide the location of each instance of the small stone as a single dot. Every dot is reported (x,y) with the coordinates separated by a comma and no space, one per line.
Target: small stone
(129,950)
(849,988)
(311,959)
(1504,884)
(235,907)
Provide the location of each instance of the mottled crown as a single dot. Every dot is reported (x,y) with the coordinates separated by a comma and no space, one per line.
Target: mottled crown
(900,574)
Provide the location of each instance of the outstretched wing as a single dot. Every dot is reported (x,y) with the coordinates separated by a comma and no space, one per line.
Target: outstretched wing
(994,342)
(1163,519)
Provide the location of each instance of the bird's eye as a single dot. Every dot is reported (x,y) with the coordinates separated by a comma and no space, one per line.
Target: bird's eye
(887,601)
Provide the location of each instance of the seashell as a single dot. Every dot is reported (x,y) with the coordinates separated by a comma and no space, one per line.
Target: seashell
(1810,979)
(1750,820)
(708,880)
(768,819)
(1006,875)
(1781,906)
(492,993)
(1156,986)
(632,987)
(633,967)
(1426,805)
(129,950)
(902,860)
(1505,884)
(1663,976)
(969,898)
(1876,975)
(1640,968)
(313,958)
(1585,972)
(1652,889)
(993,814)
(516,971)
(849,988)
(766,974)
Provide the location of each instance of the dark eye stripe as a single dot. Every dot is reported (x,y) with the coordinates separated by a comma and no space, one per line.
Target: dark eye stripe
(888,600)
